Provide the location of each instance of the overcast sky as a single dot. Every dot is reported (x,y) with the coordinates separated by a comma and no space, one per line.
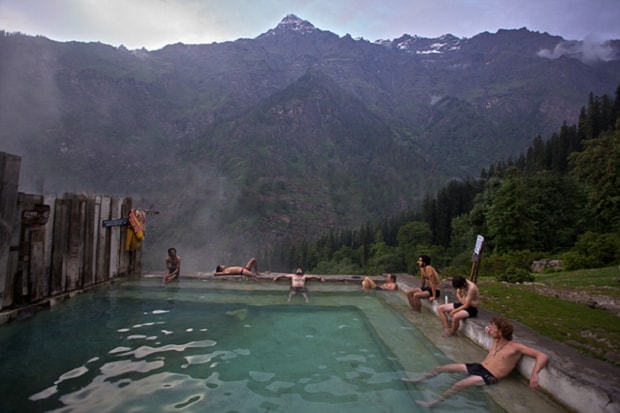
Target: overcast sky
(155,23)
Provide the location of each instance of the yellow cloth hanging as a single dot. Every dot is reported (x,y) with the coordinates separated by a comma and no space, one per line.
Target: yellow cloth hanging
(135,230)
(132,242)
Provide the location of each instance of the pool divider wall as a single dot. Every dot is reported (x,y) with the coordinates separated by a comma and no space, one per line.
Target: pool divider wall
(51,245)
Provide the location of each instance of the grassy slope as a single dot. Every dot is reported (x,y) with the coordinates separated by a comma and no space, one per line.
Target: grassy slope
(593,331)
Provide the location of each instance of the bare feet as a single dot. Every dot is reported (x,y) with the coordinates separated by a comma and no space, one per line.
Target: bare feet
(447,333)
(427,404)
(412,380)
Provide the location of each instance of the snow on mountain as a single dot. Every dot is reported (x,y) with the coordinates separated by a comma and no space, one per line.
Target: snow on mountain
(422,45)
(294,23)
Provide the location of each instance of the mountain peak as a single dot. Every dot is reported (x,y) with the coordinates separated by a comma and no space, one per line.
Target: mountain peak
(293,23)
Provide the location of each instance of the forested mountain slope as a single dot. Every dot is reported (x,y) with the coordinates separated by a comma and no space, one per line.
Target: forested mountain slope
(255,142)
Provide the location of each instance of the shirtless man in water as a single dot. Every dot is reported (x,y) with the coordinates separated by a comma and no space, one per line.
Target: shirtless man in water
(298,282)
(173,266)
(247,270)
(503,356)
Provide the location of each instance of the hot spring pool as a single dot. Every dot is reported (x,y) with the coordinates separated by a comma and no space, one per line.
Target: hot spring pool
(223,346)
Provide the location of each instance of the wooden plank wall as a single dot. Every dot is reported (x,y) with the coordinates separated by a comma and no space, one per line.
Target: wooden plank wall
(9,181)
(103,242)
(71,251)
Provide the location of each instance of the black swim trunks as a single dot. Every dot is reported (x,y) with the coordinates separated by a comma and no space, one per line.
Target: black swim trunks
(298,289)
(430,291)
(477,369)
(472,311)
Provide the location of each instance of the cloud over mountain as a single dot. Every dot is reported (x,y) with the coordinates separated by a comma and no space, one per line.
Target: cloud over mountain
(588,51)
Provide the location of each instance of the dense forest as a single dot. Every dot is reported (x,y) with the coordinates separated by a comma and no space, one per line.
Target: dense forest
(560,199)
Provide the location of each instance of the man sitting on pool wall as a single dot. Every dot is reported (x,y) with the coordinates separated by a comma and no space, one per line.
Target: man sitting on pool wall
(247,270)
(503,356)
(390,284)
(468,297)
(429,284)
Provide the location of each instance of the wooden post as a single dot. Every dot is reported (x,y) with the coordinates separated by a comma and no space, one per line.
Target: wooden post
(9,182)
(103,242)
(38,285)
(476,257)
(20,277)
(76,241)
(49,200)
(34,219)
(91,226)
(124,258)
(115,237)
(60,241)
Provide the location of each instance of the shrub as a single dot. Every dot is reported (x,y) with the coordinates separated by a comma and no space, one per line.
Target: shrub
(497,265)
(601,249)
(453,270)
(515,275)
(574,260)
(386,263)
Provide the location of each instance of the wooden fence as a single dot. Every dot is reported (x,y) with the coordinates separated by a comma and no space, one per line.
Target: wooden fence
(51,245)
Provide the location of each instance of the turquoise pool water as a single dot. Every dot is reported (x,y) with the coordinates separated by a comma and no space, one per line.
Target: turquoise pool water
(227,347)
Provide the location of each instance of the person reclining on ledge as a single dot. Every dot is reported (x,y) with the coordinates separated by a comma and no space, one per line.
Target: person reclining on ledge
(390,284)
(247,270)
(502,358)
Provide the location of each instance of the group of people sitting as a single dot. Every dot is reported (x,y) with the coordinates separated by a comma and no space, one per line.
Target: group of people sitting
(467,295)
(504,353)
